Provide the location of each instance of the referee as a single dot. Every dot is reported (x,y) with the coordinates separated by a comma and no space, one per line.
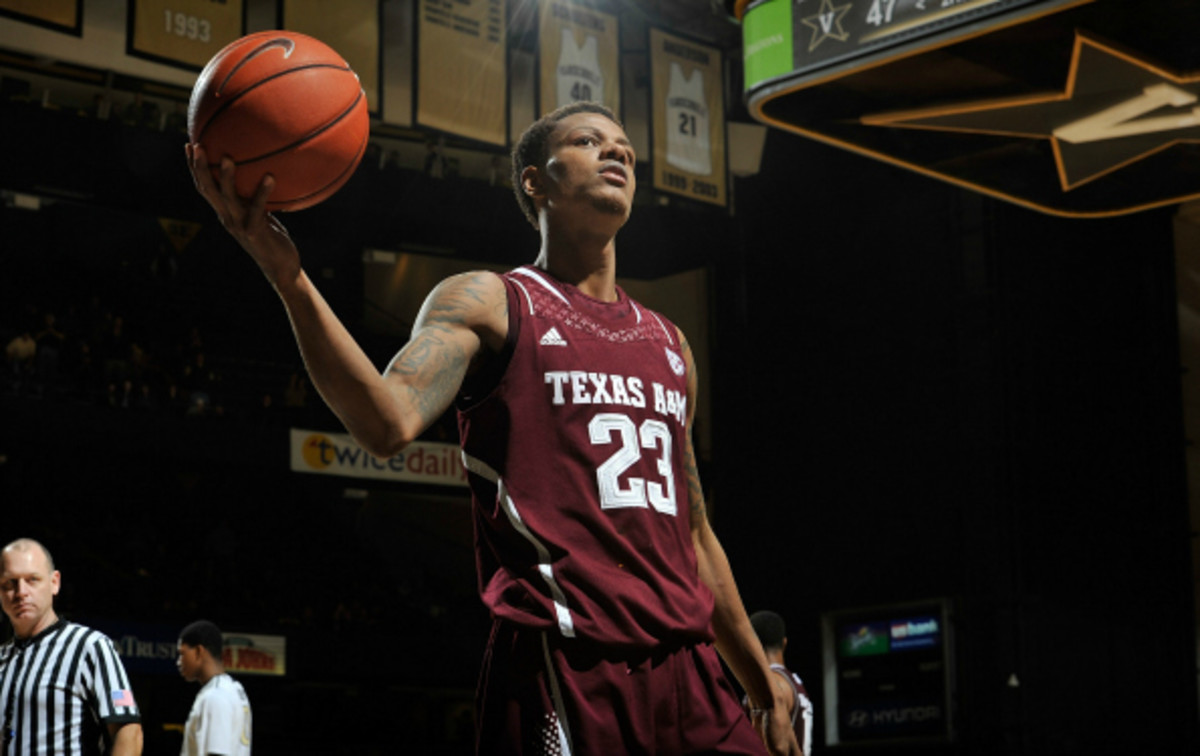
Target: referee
(63,689)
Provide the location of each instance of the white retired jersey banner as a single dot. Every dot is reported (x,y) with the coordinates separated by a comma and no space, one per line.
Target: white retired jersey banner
(351,27)
(580,48)
(462,74)
(426,462)
(186,33)
(688,118)
(245,654)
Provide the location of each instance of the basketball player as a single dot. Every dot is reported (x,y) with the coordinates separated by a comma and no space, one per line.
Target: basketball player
(219,723)
(606,584)
(772,632)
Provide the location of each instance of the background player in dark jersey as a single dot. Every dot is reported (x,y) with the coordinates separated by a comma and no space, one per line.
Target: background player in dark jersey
(608,588)
(772,631)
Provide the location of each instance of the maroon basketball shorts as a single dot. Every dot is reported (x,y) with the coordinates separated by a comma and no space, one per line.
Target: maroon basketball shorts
(542,695)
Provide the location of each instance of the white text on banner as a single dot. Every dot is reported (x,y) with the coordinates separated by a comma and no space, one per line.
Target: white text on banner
(188,32)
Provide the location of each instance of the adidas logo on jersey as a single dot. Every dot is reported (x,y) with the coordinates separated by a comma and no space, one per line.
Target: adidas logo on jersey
(552,338)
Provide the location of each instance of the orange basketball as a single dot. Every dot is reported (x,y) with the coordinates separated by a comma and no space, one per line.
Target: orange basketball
(286,104)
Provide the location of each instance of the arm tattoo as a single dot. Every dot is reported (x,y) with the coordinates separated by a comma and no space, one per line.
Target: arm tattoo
(432,361)
(695,490)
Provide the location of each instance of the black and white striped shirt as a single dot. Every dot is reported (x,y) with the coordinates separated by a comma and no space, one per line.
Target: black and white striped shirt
(59,690)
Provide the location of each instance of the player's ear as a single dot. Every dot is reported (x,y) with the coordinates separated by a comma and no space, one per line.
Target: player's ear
(531,181)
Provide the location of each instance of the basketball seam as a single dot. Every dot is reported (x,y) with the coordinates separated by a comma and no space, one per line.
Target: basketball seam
(353,164)
(306,137)
(228,103)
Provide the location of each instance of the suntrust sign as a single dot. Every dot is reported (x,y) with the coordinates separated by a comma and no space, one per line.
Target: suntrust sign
(338,454)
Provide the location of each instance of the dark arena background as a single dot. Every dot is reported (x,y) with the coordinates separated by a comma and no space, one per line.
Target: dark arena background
(923,401)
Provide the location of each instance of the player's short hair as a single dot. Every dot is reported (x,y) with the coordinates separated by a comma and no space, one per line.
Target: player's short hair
(531,148)
(24,544)
(203,633)
(769,627)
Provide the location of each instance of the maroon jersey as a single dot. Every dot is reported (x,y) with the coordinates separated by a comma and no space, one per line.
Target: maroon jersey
(802,708)
(574,449)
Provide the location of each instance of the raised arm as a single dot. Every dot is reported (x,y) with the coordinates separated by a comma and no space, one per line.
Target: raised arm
(463,320)
(735,637)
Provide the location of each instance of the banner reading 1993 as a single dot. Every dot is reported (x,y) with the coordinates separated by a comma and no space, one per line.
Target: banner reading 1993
(461,68)
(688,118)
(579,52)
(186,32)
(66,15)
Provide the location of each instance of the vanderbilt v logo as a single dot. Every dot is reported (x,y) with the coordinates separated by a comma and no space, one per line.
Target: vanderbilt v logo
(1116,110)
(826,23)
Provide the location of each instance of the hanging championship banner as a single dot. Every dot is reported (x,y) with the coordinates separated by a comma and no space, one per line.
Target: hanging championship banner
(351,27)
(580,48)
(185,33)
(396,62)
(63,15)
(461,71)
(688,118)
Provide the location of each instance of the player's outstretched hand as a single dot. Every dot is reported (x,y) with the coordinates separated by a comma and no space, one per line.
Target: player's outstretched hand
(260,233)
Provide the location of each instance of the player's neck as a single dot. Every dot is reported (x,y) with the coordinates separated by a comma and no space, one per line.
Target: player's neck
(587,262)
(208,672)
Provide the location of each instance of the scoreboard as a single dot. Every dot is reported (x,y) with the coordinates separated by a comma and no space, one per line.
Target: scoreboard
(797,41)
(889,674)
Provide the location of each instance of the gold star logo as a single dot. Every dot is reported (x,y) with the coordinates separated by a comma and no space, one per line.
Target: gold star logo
(1116,109)
(826,23)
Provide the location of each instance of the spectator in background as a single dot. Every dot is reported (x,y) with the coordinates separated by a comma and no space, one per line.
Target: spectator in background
(435,159)
(115,346)
(19,354)
(200,381)
(295,394)
(50,341)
